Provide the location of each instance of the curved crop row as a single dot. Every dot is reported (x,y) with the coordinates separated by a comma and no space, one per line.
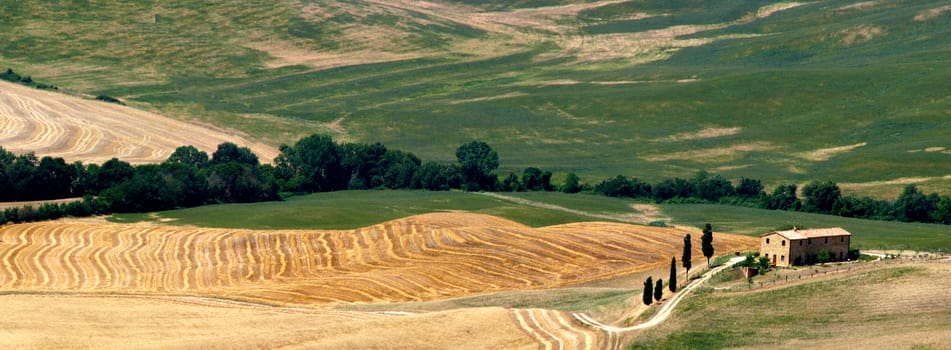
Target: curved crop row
(57,125)
(413,259)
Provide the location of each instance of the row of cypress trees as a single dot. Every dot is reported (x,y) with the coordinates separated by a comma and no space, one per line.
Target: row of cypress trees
(655,291)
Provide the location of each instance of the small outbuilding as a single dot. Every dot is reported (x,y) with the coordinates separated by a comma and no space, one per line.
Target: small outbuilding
(801,247)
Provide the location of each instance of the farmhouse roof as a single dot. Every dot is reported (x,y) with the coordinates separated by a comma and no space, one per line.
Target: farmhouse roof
(795,233)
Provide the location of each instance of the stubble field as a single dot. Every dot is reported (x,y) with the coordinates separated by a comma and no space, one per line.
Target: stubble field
(77,129)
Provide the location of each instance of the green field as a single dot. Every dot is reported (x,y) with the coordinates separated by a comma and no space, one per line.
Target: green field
(354,209)
(868,234)
(771,98)
(850,311)
(349,210)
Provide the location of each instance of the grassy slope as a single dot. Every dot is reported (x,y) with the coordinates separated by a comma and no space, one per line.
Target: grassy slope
(841,311)
(869,234)
(354,209)
(813,77)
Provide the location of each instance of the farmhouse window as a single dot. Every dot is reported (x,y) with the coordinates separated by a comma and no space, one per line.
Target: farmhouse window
(800,243)
(784,243)
(809,241)
(827,240)
(841,239)
(782,258)
(767,241)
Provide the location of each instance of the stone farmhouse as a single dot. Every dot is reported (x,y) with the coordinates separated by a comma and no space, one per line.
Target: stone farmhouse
(800,247)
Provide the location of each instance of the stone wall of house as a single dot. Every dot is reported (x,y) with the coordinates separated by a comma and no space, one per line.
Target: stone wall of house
(785,252)
(776,248)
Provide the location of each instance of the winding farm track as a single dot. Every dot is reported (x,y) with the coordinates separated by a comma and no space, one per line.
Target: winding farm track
(418,258)
(58,125)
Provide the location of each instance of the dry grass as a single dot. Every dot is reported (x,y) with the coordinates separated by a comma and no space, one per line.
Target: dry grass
(861,34)
(824,154)
(702,134)
(419,258)
(932,13)
(77,129)
(714,154)
(859,6)
(124,322)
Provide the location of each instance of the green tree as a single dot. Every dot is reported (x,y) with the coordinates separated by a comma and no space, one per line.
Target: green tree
(821,197)
(685,258)
(228,152)
(749,188)
(659,289)
(783,198)
(572,184)
(672,280)
(706,242)
(313,164)
(477,163)
(511,183)
(763,265)
(912,205)
(648,296)
(823,256)
(189,155)
(942,213)
(532,179)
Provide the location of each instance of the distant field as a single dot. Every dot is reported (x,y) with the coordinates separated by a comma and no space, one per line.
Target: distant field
(893,307)
(869,234)
(351,209)
(841,90)
(76,129)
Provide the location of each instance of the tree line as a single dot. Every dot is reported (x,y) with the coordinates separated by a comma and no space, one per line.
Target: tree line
(816,197)
(11,76)
(232,174)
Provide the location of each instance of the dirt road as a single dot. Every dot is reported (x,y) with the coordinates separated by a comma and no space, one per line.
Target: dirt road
(665,311)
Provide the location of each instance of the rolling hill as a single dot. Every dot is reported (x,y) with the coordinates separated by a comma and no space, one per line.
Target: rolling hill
(77,129)
(427,257)
(841,90)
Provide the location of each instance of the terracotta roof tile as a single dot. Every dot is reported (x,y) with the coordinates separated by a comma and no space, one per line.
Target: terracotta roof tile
(795,234)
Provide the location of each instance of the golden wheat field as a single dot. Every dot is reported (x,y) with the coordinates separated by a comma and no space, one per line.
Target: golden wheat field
(418,258)
(149,322)
(58,125)
(189,287)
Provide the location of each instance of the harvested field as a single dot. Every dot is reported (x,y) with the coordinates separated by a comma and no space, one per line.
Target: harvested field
(136,322)
(418,258)
(57,125)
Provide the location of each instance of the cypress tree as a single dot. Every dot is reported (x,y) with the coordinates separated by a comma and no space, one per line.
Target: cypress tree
(659,289)
(672,280)
(648,289)
(706,243)
(685,259)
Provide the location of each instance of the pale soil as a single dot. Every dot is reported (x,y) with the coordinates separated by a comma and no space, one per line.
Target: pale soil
(859,5)
(419,258)
(58,125)
(702,134)
(824,154)
(130,322)
(861,34)
(932,13)
(714,154)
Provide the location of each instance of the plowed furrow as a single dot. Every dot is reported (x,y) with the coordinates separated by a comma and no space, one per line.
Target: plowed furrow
(415,259)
